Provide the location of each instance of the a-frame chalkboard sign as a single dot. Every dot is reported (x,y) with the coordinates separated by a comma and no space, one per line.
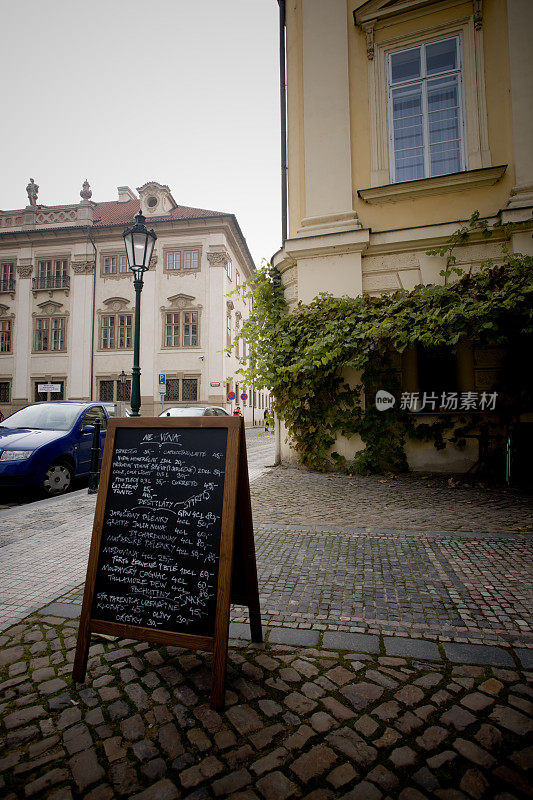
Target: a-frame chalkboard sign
(172,542)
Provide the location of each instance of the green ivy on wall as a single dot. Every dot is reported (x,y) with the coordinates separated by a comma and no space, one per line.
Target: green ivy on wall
(302,356)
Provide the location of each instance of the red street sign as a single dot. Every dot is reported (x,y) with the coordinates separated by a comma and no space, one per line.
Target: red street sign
(231,395)
(244,396)
(215,383)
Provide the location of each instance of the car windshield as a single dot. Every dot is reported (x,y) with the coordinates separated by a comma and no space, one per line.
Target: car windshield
(183,412)
(45,417)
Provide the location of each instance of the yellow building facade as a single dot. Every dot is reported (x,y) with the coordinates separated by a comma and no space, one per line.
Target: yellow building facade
(404,117)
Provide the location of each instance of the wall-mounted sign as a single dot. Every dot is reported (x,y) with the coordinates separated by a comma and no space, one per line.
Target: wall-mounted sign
(49,387)
(214,383)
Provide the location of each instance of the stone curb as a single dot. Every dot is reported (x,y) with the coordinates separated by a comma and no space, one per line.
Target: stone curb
(398,646)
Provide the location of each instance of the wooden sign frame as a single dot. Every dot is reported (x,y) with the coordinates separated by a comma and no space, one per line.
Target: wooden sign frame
(236,557)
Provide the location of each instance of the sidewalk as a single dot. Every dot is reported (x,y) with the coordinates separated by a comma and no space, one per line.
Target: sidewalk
(396,660)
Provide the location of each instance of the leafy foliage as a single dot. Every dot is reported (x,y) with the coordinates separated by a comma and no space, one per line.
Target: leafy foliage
(305,357)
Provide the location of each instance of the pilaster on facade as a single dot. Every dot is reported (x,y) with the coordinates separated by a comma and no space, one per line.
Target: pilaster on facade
(326,118)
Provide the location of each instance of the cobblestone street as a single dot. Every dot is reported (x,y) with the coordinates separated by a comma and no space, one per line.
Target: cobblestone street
(396,663)
(299,722)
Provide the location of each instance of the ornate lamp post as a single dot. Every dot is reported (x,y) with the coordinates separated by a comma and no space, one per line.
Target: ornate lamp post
(122,383)
(139,243)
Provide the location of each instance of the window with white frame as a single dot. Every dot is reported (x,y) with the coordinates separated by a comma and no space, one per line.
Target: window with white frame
(426,110)
(182,259)
(113,265)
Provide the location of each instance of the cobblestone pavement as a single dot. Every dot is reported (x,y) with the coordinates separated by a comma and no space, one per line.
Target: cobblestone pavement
(299,722)
(403,502)
(395,664)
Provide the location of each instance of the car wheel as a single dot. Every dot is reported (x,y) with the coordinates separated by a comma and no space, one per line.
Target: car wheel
(58,478)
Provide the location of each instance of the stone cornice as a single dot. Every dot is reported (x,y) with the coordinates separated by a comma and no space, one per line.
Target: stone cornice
(457,182)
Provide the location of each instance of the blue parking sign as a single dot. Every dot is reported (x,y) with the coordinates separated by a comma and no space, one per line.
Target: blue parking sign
(162,379)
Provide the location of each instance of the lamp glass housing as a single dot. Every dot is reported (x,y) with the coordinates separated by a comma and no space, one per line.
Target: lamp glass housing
(139,243)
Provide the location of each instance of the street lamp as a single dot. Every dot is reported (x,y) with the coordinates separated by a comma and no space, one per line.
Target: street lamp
(139,243)
(122,383)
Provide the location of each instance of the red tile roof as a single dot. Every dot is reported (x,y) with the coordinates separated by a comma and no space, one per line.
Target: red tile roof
(116,213)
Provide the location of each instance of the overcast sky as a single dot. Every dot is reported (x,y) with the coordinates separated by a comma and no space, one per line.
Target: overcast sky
(183,92)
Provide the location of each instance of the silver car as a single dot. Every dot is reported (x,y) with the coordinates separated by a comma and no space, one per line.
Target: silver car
(194,411)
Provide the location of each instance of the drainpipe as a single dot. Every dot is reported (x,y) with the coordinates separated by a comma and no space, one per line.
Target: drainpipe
(89,235)
(283,110)
(283,117)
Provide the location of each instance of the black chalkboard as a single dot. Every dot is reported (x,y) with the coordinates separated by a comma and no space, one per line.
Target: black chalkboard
(172,542)
(158,562)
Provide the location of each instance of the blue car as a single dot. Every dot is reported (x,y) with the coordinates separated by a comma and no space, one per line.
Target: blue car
(46,445)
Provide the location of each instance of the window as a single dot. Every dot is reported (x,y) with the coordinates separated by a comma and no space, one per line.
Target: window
(107,391)
(182,259)
(115,264)
(49,334)
(426,129)
(60,395)
(5,336)
(237,279)
(110,390)
(181,329)
(115,331)
(190,328)
(124,391)
(5,392)
(51,274)
(228,268)
(95,414)
(172,389)
(7,277)
(172,330)
(228,331)
(190,259)
(190,389)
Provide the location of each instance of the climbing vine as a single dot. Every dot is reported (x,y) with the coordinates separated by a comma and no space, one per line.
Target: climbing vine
(305,357)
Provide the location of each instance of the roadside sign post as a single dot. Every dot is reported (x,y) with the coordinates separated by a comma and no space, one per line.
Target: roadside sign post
(162,387)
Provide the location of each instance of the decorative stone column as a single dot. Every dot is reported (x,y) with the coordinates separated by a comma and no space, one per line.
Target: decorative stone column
(79,335)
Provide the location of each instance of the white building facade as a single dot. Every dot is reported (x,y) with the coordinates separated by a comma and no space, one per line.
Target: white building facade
(67,304)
